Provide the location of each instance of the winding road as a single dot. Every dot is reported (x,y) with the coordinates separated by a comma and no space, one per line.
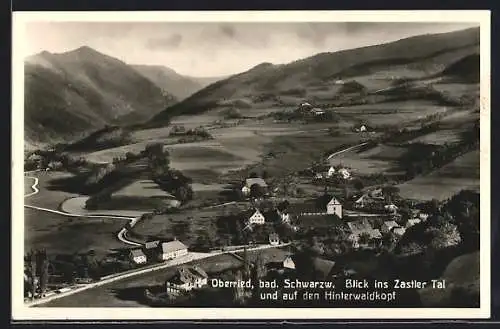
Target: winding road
(121,235)
(191,256)
(345,150)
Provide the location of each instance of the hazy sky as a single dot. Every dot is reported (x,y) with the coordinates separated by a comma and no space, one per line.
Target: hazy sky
(214,49)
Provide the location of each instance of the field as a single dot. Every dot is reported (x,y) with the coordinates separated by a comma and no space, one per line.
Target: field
(381,158)
(47,196)
(167,225)
(439,137)
(77,206)
(145,188)
(462,173)
(392,113)
(61,234)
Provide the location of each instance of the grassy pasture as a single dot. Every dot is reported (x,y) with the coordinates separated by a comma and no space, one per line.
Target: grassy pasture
(144,188)
(61,234)
(47,197)
(462,173)
(392,113)
(381,158)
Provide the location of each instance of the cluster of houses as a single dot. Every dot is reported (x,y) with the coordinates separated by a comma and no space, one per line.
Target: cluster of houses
(158,251)
(284,212)
(186,279)
(331,171)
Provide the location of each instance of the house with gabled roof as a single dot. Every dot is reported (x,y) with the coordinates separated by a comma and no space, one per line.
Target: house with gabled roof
(387,226)
(334,207)
(274,239)
(137,256)
(360,227)
(187,278)
(172,249)
(257,218)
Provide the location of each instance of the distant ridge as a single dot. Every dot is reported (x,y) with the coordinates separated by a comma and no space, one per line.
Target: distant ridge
(268,85)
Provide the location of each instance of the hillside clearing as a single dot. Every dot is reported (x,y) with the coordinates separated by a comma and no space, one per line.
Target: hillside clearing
(462,173)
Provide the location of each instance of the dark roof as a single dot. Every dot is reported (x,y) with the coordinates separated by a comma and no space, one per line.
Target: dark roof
(186,274)
(319,220)
(306,207)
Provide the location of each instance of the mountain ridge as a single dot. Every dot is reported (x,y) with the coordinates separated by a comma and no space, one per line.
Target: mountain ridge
(427,54)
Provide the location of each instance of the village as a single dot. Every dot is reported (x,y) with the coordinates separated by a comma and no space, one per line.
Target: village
(367,220)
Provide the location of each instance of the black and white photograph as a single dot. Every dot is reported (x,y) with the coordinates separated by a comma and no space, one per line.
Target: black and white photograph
(251,165)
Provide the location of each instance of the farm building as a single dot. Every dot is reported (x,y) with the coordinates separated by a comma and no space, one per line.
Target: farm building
(249,182)
(367,200)
(388,226)
(412,222)
(274,239)
(399,231)
(137,256)
(284,216)
(172,249)
(256,218)
(317,111)
(331,207)
(344,173)
(334,207)
(360,227)
(325,172)
(391,208)
(187,278)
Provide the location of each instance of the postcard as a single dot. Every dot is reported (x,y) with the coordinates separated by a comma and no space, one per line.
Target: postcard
(251,165)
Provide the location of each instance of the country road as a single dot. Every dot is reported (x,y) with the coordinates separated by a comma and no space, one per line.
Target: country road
(192,256)
(34,187)
(345,150)
(175,262)
(121,235)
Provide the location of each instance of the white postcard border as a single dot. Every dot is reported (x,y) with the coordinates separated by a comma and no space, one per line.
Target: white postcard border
(21,312)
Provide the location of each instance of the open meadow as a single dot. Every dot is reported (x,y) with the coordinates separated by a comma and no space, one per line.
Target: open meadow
(61,235)
(462,173)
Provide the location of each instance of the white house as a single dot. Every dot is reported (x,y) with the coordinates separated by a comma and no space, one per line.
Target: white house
(137,256)
(274,239)
(285,216)
(317,111)
(330,172)
(399,231)
(334,207)
(187,278)
(289,263)
(412,222)
(388,226)
(391,207)
(257,218)
(252,181)
(344,173)
(245,190)
(172,249)
(423,216)
(362,128)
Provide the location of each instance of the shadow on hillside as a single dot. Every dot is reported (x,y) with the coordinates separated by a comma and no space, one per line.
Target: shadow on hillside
(72,184)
